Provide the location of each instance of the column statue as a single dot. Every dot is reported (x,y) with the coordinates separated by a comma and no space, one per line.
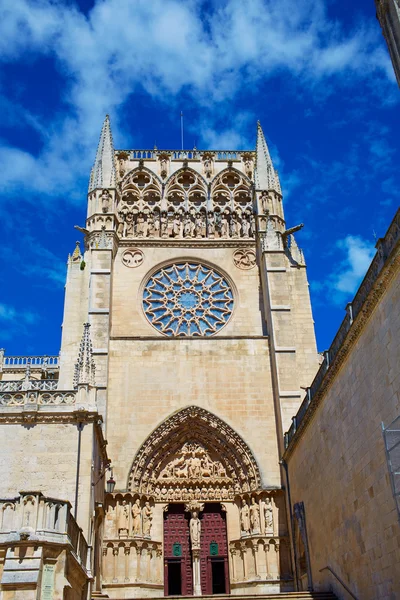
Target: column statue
(254,516)
(136,518)
(123,520)
(147,515)
(195,531)
(245,518)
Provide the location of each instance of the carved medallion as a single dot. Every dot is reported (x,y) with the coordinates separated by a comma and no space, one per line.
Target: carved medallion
(244,258)
(132,257)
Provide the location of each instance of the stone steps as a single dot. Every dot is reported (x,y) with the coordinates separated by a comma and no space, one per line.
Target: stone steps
(282,596)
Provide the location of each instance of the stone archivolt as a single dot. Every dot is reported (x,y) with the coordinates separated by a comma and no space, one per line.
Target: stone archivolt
(194,455)
(186,206)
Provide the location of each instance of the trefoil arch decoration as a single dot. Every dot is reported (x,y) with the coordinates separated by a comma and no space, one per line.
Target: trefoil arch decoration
(194,455)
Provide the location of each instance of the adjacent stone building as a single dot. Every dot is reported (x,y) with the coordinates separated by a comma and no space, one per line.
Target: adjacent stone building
(342,450)
(388,14)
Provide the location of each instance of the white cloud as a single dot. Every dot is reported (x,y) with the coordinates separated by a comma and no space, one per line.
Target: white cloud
(359,254)
(11,315)
(164,47)
(340,285)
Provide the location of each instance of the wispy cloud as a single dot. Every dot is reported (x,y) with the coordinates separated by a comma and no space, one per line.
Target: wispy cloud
(164,47)
(14,321)
(341,284)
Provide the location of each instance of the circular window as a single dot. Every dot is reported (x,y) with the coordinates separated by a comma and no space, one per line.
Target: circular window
(187,299)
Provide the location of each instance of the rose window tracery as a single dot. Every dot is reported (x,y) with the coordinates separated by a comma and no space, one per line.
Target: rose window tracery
(187,299)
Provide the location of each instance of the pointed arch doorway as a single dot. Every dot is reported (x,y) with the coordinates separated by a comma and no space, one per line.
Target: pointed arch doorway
(194,458)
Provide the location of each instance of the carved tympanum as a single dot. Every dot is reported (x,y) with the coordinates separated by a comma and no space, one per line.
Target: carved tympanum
(194,455)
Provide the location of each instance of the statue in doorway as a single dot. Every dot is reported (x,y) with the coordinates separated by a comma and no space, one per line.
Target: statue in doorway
(136,517)
(268,516)
(195,531)
(123,520)
(147,516)
(254,516)
(245,518)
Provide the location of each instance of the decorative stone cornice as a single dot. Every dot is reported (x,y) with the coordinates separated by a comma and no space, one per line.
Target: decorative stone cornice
(190,243)
(26,417)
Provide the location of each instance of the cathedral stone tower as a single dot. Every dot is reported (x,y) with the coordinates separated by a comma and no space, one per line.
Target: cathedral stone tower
(388,14)
(203,338)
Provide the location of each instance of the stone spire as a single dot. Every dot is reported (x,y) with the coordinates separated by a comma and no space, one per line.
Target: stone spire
(265,176)
(85,367)
(103,172)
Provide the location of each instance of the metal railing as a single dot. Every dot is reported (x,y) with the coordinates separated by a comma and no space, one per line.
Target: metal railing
(348,590)
(384,248)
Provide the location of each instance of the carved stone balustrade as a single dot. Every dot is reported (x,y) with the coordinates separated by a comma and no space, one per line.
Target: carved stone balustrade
(47,405)
(31,384)
(35,533)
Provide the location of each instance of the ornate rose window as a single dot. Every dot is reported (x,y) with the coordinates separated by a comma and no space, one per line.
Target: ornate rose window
(187,299)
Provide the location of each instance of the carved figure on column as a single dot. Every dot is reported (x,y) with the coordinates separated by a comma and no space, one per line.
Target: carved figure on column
(195,531)
(129,224)
(105,201)
(177,226)
(254,516)
(245,518)
(211,224)
(246,225)
(224,225)
(147,515)
(123,520)
(164,224)
(264,201)
(140,225)
(155,227)
(268,516)
(136,517)
(188,226)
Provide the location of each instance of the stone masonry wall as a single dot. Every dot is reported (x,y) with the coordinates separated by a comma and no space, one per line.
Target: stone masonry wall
(339,469)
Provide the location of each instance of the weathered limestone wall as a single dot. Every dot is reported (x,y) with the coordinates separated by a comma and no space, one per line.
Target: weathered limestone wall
(149,380)
(339,469)
(43,457)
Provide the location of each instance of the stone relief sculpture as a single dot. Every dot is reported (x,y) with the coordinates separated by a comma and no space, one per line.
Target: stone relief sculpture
(254,516)
(268,516)
(245,518)
(123,520)
(136,517)
(216,449)
(186,208)
(105,201)
(147,517)
(195,531)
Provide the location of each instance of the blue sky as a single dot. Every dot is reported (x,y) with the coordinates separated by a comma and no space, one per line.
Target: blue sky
(317,75)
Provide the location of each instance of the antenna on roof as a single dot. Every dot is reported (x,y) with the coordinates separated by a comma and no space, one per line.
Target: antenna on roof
(182,129)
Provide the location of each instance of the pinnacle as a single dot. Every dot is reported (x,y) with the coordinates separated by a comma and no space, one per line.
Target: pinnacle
(103,171)
(265,176)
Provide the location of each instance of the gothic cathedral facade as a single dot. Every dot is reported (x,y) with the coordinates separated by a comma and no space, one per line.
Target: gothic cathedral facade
(187,342)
